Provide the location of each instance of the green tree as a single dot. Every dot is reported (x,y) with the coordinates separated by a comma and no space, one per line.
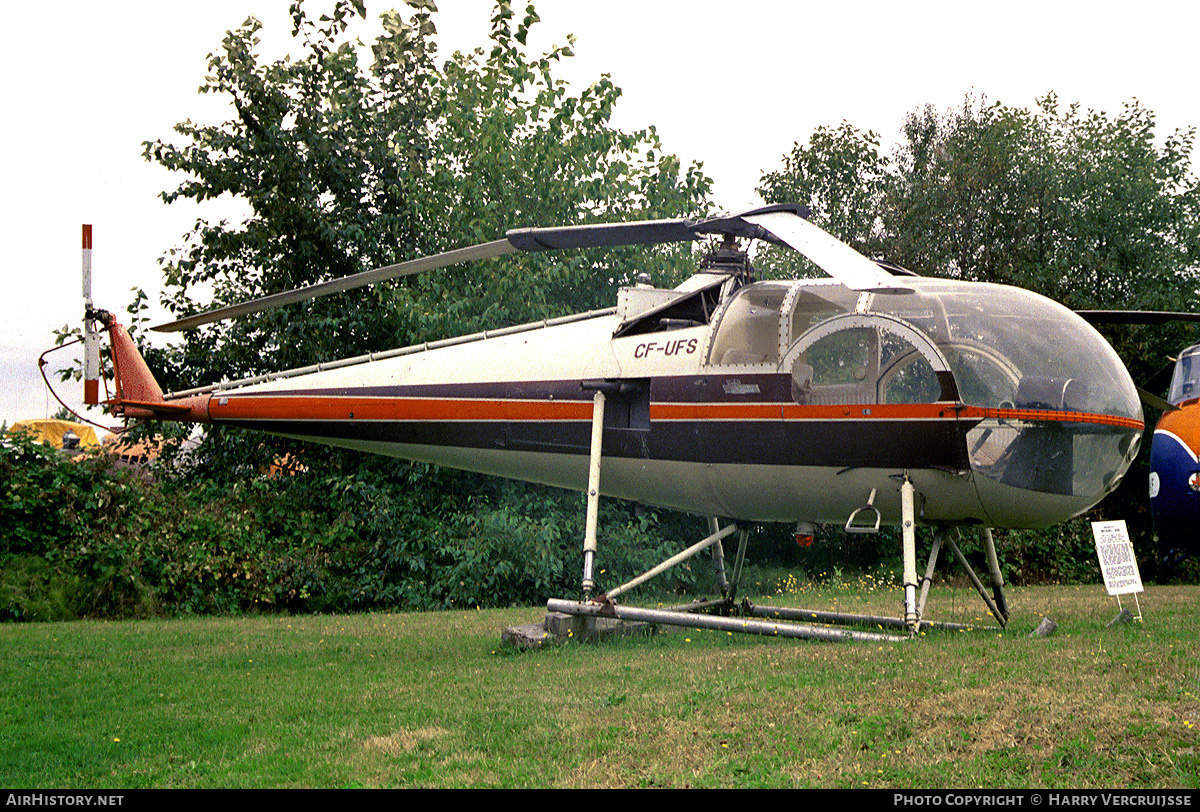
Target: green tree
(347,168)
(1089,209)
(842,176)
(349,162)
(312,151)
(516,148)
(971,197)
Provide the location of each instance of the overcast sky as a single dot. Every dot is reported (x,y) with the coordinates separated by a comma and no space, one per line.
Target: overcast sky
(731,84)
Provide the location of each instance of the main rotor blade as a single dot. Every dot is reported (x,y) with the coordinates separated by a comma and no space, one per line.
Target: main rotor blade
(1135,316)
(643,232)
(1154,401)
(829,254)
(648,232)
(522,239)
(488,250)
(597,235)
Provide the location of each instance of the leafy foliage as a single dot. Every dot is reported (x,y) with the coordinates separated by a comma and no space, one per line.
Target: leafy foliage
(83,538)
(1086,208)
(1089,209)
(346,168)
(842,176)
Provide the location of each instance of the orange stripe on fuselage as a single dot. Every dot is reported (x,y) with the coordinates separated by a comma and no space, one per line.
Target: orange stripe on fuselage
(792,411)
(274,407)
(875,411)
(1051,416)
(404,409)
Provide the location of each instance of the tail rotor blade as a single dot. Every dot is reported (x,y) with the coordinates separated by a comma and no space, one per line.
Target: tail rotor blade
(91,340)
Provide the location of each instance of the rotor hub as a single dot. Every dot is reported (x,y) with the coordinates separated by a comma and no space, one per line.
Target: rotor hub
(728,258)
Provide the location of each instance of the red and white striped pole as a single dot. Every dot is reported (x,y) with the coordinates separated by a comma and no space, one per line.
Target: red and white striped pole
(91,341)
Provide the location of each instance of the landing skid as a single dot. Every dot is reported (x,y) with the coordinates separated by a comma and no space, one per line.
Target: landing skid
(595,615)
(604,615)
(740,625)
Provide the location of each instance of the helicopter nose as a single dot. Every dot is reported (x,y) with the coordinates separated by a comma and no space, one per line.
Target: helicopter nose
(1052,419)
(1037,468)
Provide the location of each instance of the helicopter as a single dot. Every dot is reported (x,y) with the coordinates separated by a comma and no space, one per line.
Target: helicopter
(873,397)
(1174,481)
(1175,464)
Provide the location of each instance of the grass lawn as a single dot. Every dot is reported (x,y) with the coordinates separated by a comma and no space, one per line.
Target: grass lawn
(435,700)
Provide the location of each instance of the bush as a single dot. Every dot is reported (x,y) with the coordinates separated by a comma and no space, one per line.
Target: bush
(32,590)
(86,539)
(346,532)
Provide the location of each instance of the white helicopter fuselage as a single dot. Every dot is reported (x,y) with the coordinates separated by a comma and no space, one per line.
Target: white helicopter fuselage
(790,401)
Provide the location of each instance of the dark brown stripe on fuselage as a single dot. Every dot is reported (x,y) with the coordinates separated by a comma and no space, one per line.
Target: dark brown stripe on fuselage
(741,419)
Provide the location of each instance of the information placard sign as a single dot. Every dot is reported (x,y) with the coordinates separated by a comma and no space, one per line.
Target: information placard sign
(1117,562)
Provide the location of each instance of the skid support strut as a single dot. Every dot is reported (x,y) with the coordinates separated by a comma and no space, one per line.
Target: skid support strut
(718,554)
(989,544)
(715,538)
(730,624)
(593,494)
(908,517)
(994,606)
(927,581)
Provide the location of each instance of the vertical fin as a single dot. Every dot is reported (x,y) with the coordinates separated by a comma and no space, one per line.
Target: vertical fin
(134,380)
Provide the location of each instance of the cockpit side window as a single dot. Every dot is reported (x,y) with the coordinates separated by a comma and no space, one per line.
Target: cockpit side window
(840,368)
(811,305)
(1185,383)
(858,359)
(748,333)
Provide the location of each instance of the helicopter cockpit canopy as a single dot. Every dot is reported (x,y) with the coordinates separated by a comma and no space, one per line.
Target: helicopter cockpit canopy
(1185,383)
(1011,348)
(987,346)
(1005,347)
